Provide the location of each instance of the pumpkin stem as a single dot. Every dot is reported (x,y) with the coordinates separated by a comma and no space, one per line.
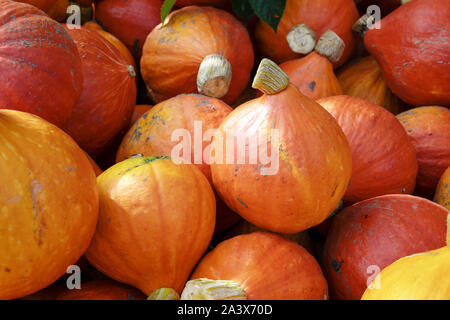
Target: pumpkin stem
(214,76)
(330,45)
(164,294)
(131,70)
(301,39)
(361,26)
(206,289)
(270,79)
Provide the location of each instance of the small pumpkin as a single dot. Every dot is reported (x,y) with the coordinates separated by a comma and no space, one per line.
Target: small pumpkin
(198,49)
(109,93)
(422,276)
(48,203)
(364,79)
(313,75)
(41,69)
(156,220)
(257,266)
(442,195)
(102,290)
(412,41)
(114,41)
(371,234)
(383,157)
(429,130)
(129,20)
(280,193)
(290,42)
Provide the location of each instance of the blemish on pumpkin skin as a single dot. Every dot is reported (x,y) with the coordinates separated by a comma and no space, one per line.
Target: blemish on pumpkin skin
(312,85)
(242,202)
(336,265)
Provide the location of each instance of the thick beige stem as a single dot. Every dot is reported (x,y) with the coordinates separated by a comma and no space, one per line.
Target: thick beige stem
(214,76)
(270,79)
(164,294)
(206,289)
(301,39)
(330,45)
(361,25)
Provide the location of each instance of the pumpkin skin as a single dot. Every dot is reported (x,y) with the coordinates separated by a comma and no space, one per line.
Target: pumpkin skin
(185,3)
(365,80)
(92,25)
(102,290)
(429,130)
(267,266)
(172,54)
(48,201)
(129,20)
(109,93)
(95,166)
(313,76)
(374,233)
(41,69)
(138,111)
(308,137)
(152,133)
(56,9)
(442,195)
(383,157)
(138,197)
(402,56)
(319,15)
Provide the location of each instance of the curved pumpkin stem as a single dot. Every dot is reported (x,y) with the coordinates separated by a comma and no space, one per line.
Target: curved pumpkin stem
(214,76)
(164,294)
(301,39)
(330,45)
(270,79)
(131,70)
(360,27)
(206,289)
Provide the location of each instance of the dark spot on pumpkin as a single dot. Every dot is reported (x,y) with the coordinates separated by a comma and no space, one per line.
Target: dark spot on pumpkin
(242,202)
(312,85)
(136,46)
(366,216)
(336,265)
(7,269)
(130,296)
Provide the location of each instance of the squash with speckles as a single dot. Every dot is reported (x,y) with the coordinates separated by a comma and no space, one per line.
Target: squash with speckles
(371,234)
(41,69)
(442,195)
(156,220)
(48,203)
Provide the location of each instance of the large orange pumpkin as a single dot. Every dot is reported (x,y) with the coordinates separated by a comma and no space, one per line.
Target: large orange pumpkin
(364,79)
(129,20)
(309,167)
(48,203)
(102,290)
(383,157)
(411,46)
(109,93)
(41,70)
(156,220)
(429,130)
(442,195)
(318,15)
(257,266)
(198,49)
(371,234)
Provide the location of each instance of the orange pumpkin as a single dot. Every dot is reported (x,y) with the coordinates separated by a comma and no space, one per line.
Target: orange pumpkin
(371,234)
(281,193)
(109,93)
(429,130)
(319,16)
(413,60)
(95,166)
(41,70)
(364,79)
(156,220)
(130,21)
(313,75)
(195,51)
(92,25)
(176,127)
(258,266)
(442,195)
(48,203)
(102,290)
(383,157)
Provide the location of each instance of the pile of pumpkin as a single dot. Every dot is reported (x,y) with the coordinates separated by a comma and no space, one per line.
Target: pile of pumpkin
(357,209)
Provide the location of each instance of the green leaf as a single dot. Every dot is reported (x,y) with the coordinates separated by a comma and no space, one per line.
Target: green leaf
(165,9)
(242,8)
(269,11)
